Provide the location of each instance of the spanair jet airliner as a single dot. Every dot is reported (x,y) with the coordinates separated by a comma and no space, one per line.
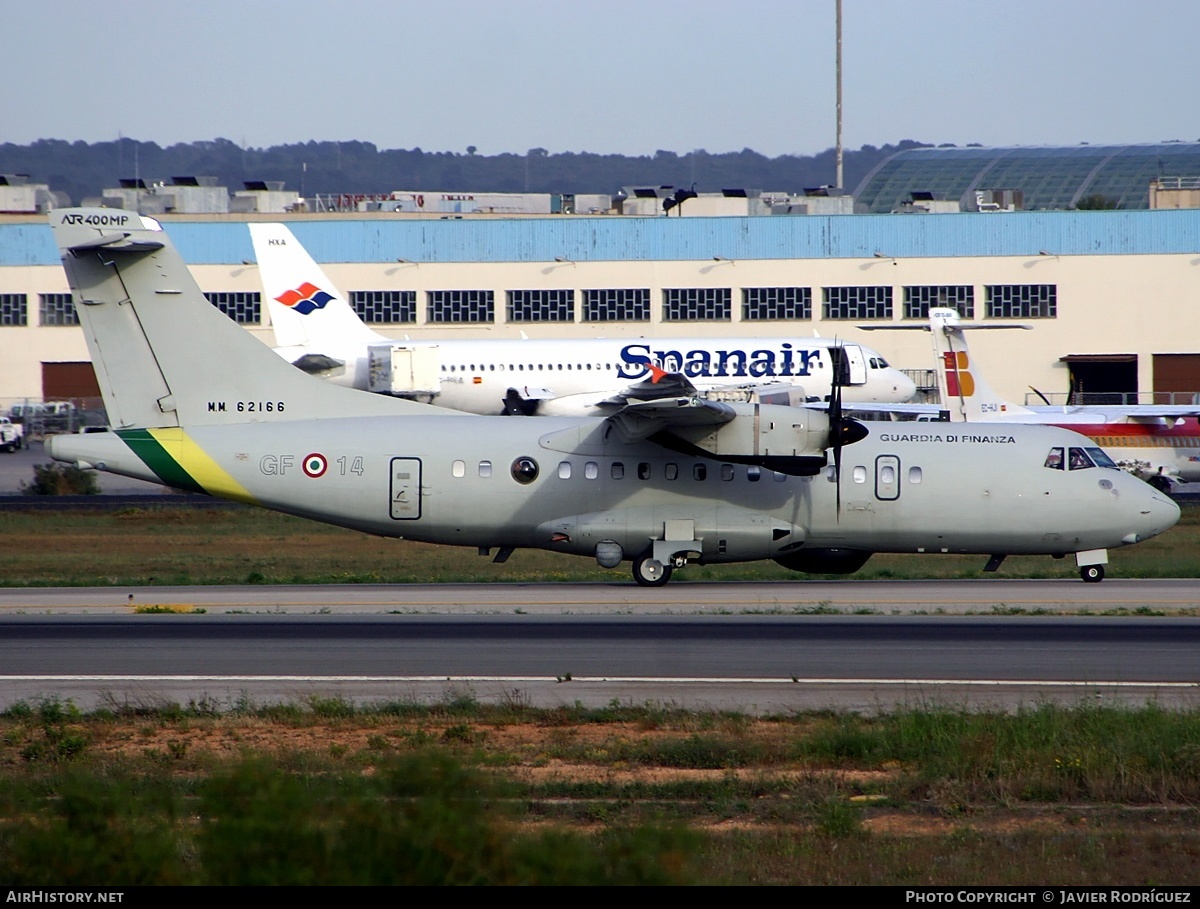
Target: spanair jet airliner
(318,331)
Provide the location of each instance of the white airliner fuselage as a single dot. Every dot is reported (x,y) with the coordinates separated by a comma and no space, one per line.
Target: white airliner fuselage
(317,330)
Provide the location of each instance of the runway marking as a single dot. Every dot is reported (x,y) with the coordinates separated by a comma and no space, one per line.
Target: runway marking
(633,680)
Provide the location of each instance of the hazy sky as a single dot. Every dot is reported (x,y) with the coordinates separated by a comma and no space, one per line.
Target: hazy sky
(619,76)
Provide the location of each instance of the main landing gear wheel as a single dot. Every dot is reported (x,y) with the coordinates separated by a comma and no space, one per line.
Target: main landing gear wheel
(650,572)
(1093,574)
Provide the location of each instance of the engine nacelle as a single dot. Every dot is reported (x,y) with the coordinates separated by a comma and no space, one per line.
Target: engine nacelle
(790,440)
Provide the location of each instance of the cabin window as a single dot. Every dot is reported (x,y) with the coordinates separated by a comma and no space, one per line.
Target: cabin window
(753,473)
(726,472)
(778,477)
(618,470)
(671,471)
(1054,460)
(699,471)
(1079,459)
(859,474)
(644,470)
(564,470)
(485,469)
(459,468)
(887,474)
(914,475)
(591,470)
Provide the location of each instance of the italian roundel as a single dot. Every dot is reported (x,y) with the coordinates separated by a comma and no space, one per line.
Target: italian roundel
(314,465)
(305,299)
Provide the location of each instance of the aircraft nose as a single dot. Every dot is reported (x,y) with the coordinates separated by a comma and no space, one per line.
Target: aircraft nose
(1157,512)
(904,387)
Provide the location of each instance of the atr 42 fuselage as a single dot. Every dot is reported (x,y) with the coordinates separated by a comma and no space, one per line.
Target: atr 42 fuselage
(566,485)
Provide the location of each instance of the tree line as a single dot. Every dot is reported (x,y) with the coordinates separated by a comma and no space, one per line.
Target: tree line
(83,170)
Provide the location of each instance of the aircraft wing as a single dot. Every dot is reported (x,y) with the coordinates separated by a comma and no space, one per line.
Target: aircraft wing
(640,419)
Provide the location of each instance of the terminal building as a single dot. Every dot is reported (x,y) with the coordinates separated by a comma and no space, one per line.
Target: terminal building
(1113,295)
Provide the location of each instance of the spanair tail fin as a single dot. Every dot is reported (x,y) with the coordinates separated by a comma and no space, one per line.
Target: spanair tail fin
(307,311)
(164,356)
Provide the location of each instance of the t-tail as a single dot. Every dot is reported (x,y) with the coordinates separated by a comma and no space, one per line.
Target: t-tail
(168,361)
(307,312)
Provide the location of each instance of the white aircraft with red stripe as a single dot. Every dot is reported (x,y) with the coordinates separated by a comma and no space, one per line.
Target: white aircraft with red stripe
(1150,440)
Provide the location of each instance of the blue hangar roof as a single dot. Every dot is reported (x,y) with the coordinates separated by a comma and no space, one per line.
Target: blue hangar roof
(601,239)
(1051,177)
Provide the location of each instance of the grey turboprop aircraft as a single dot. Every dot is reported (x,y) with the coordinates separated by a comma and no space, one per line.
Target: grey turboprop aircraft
(198,404)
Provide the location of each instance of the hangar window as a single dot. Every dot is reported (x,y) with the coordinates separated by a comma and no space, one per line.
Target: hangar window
(460,306)
(541,306)
(959,297)
(689,304)
(763,303)
(871,302)
(12,309)
(1021,301)
(56,309)
(617,304)
(244,307)
(385,306)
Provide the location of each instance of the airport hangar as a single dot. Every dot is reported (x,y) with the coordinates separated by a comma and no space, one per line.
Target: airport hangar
(1113,295)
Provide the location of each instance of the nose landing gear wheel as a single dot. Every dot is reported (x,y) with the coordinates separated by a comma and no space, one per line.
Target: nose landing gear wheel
(1093,574)
(649,572)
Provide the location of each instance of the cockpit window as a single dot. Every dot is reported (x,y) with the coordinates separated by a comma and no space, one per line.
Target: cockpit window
(1079,459)
(1100,458)
(1054,460)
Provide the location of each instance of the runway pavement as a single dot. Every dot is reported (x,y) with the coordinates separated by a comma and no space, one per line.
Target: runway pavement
(623,597)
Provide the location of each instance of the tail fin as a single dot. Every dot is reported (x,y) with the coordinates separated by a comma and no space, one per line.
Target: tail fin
(965,393)
(306,309)
(164,356)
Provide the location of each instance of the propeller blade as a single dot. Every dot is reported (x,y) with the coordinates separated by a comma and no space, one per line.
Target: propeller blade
(1045,400)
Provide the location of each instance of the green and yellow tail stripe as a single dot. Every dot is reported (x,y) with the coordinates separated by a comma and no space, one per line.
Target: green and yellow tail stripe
(179,462)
